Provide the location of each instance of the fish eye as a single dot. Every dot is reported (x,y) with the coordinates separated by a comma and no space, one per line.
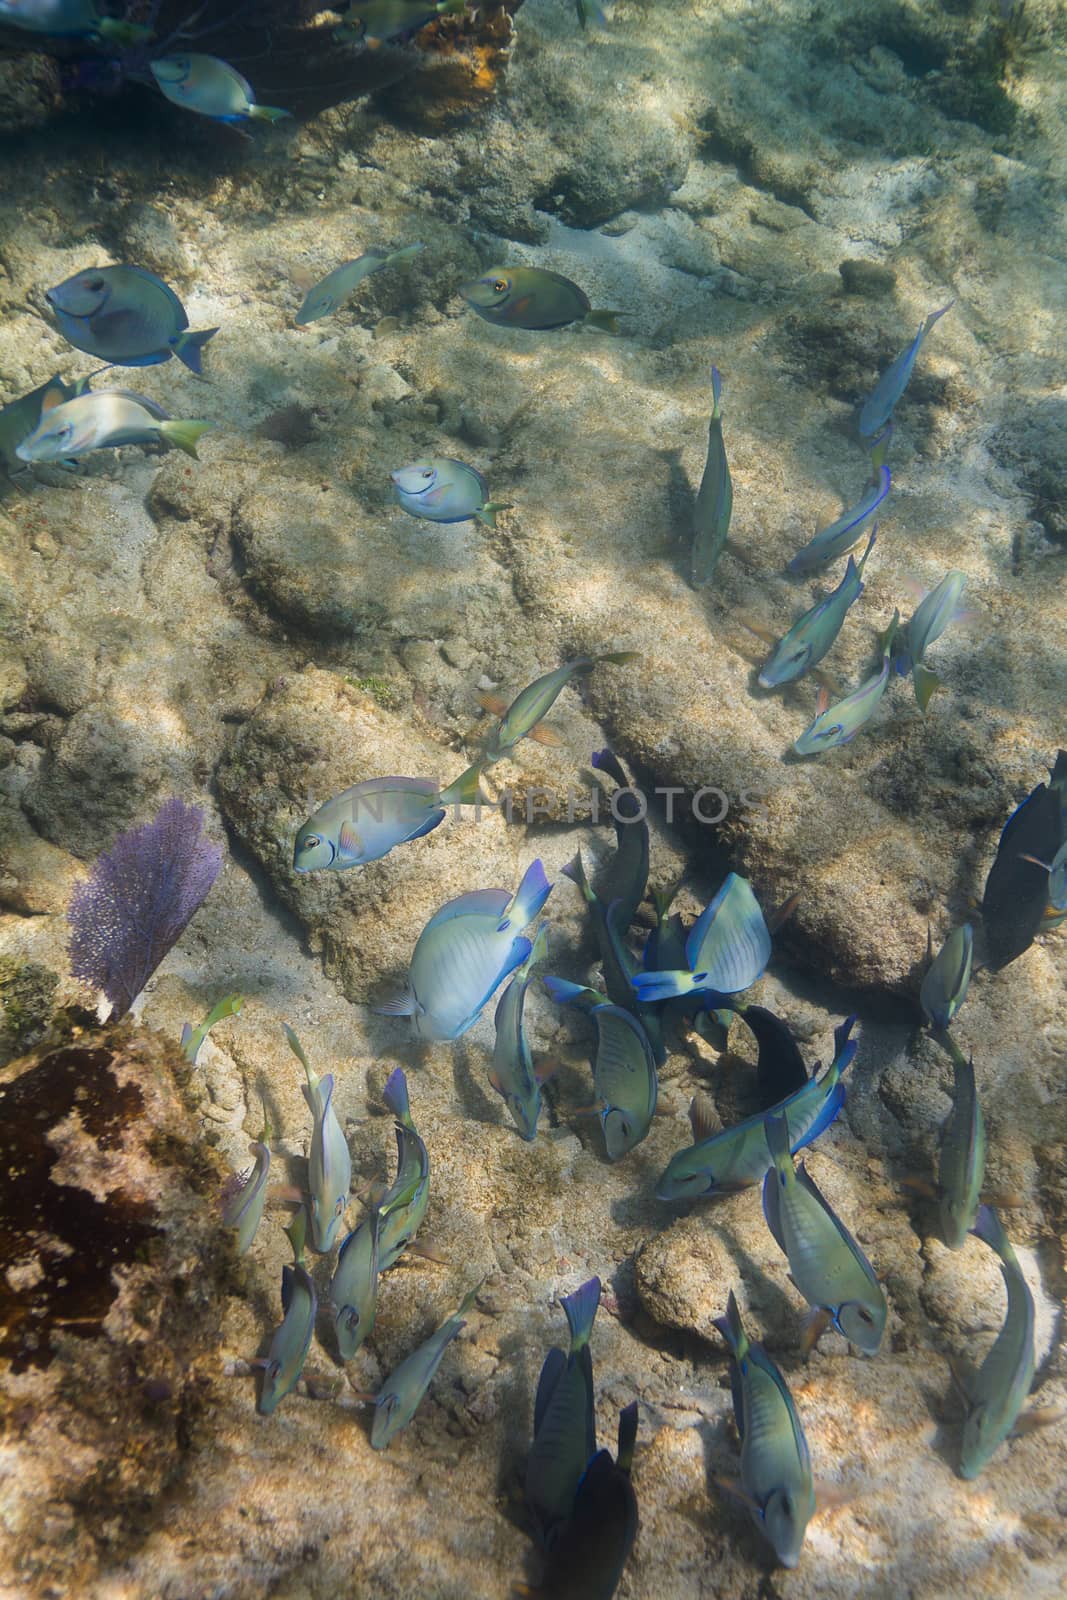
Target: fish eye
(865,1316)
(95,285)
(312,842)
(62,434)
(499,285)
(428,473)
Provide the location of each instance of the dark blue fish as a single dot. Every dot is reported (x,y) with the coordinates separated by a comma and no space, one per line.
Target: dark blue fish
(891,385)
(564,1439)
(588,1557)
(624,878)
(1016,890)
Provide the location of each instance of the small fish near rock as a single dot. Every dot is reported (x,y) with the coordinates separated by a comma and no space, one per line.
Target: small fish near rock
(442,489)
(535,298)
(210,87)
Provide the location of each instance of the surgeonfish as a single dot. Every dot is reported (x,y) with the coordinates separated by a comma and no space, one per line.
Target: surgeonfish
(368,820)
(715,497)
(531,297)
(375,22)
(20,417)
(780,1069)
(625,877)
(70,19)
(878,409)
(997,1392)
(738,1157)
(839,723)
(961,1166)
(564,1440)
(589,10)
(727,949)
(398,1398)
(826,1264)
(933,615)
(192,1039)
(624,1076)
(464,953)
(334,289)
(591,1549)
(284,1361)
(403,1205)
(1015,898)
(442,489)
(776,1478)
(126,316)
(354,1286)
(512,1073)
(812,635)
(245,1196)
(329,1161)
(1057,881)
(618,964)
(831,542)
(522,718)
(102,420)
(944,988)
(210,87)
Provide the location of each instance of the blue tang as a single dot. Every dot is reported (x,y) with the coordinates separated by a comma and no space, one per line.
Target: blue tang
(878,409)
(564,1440)
(464,953)
(210,87)
(126,316)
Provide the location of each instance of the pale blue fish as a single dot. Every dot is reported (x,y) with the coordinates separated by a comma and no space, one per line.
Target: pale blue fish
(961,1166)
(812,635)
(210,87)
(564,1440)
(70,19)
(715,497)
(284,1361)
(127,316)
(464,953)
(624,1075)
(20,417)
(368,820)
(776,1478)
(512,1073)
(245,1196)
(727,949)
(878,409)
(192,1039)
(944,988)
(399,1396)
(442,489)
(331,291)
(736,1158)
(329,1161)
(103,419)
(403,1205)
(839,723)
(354,1286)
(831,542)
(826,1264)
(933,615)
(997,1392)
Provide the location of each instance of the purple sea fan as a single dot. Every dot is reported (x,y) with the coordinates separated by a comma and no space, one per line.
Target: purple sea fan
(137,900)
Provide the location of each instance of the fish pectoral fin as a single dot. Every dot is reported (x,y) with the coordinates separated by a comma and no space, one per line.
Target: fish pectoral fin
(702,1118)
(832,1496)
(543,733)
(1036,1417)
(776,919)
(285,1194)
(493,704)
(736,1490)
(1006,1199)
(818,1323)
(546,1067)
(828,684)
(428,1251)
(963,1375)
(920,1186)
(349,843)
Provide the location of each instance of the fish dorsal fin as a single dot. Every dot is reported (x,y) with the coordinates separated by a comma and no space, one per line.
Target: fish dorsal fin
(702,1118)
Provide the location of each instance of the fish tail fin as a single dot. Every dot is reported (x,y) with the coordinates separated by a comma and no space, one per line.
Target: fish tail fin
(716,394)
(487,513)
(776,1130)
(989,1228)
(580,1308)
(934,316)
(183,435)
(451,8)
(187,347)
(627,1436)
(663,899)
(407,252)
(575,871)
(618,658)
(885,639)
(467,1303)
(606,761)
(835,1099)
(729,1325)
(652,986)
(565,993)
(538,951)
(528,898)
(604,320)
(926,684)
(296,1233)
(464,790)
(268,113)
(395,1095)
(862,562)
(124,33)
(298,1050)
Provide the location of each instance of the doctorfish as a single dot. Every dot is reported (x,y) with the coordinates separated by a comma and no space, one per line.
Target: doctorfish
(776,1478)
(997,1392)
(826,1264)
(245,1195)
(127,316)
(624,1076)
(210,87)
(624,878)
(19,418)
(932,616)
(831,542)
(377,22)
(721,1163)
(715,497)
(284,1361)
(512,1073)
(961,1165)
(368,820)
(522,718)
(944,988)
(464,953)
(398,1399)
(813,634)
(403,1205)
(532,297)
(727,949)
(335,288)
(103,419)
(564,1440)
(442,489)
(354,1286)
(71,19)
(329,1161)
(839,723)
(878,409)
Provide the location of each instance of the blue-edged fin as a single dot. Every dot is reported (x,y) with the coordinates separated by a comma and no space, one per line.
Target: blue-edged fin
(527,900)
(188,345)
